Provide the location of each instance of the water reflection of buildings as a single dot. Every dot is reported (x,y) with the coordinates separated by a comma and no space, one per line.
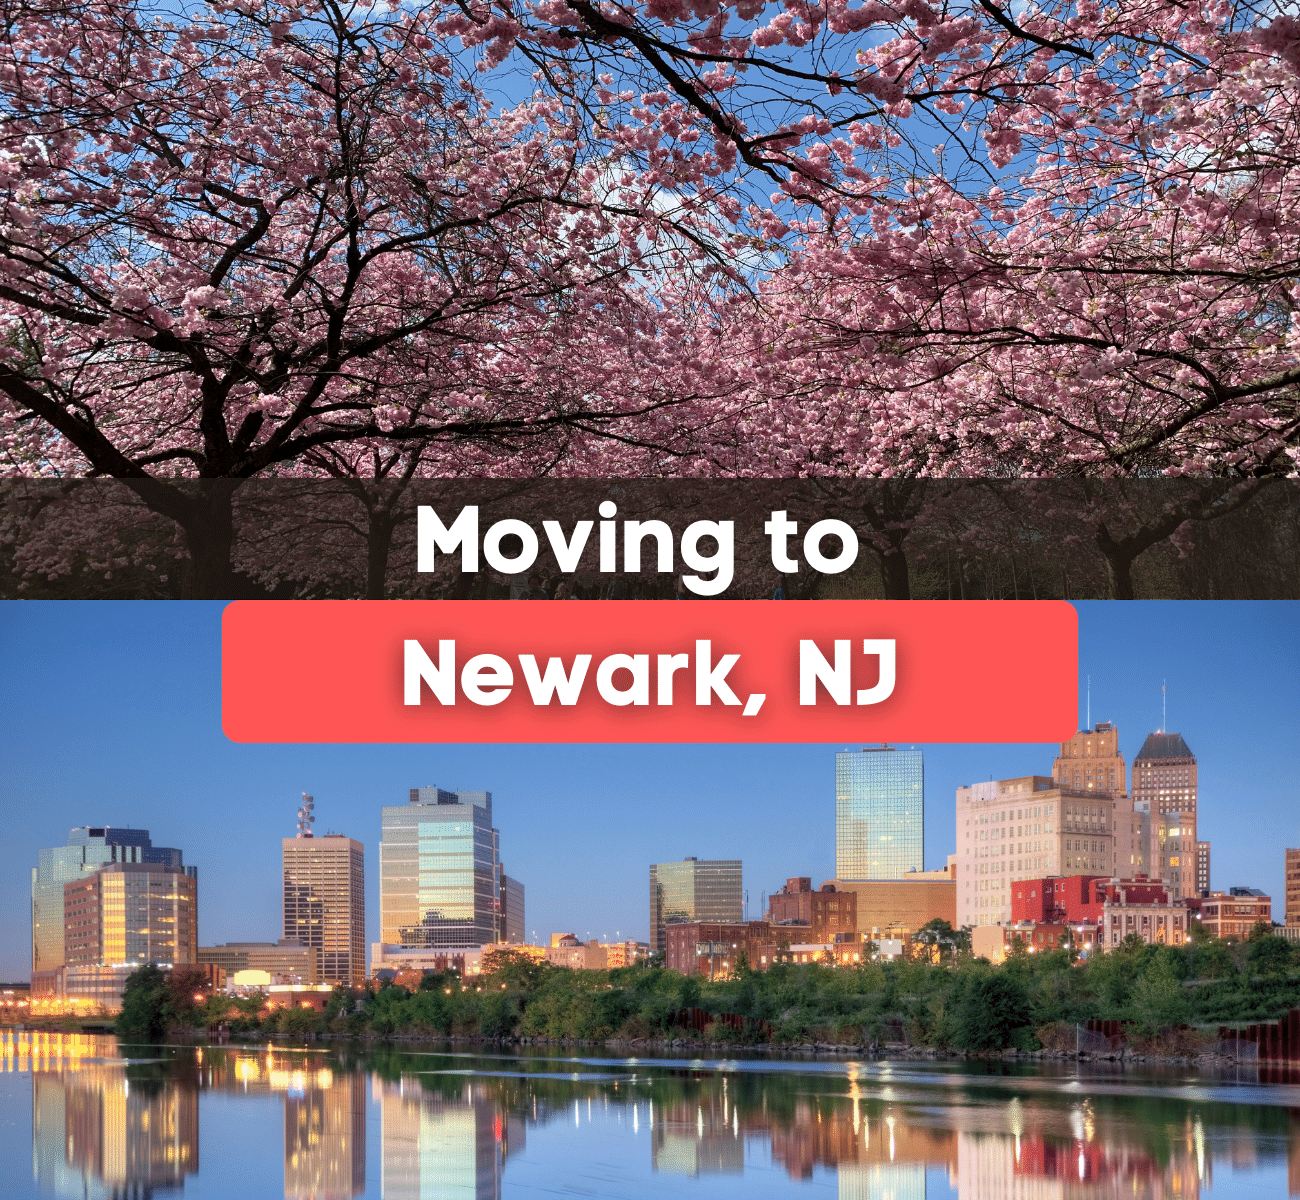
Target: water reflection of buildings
(880,1149)
(96,1133)
(324,1116)
(325,1140)
(700,1136)
(443,1145)
(993,1166)
(108,1130)
(882,1181)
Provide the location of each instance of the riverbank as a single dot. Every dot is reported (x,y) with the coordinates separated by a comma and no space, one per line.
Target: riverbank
(638,1047)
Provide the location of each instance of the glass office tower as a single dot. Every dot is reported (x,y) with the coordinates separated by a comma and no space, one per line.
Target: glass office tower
(439,871)
(89,847)
(879,813)
(694,890)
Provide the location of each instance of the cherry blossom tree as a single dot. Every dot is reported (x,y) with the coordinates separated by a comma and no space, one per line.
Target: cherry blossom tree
(1117,296)
(230,245)
(568,238)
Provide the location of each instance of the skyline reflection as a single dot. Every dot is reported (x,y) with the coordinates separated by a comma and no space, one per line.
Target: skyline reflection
(108,1127)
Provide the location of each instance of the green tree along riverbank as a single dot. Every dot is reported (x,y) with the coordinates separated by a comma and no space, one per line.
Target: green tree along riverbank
(1172,999)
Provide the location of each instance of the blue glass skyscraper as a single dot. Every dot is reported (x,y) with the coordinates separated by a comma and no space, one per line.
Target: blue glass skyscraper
(879,813)
(439,871)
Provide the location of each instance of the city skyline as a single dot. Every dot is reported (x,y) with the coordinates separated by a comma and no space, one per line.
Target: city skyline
(135,740)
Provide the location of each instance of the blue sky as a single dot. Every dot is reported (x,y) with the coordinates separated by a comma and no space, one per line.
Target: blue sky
(110,714)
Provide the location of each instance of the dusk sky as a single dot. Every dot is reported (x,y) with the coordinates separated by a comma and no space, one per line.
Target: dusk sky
(110,715)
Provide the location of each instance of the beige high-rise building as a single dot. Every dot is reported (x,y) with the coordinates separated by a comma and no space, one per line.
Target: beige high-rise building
(325,903)
(1026,828)
(1091,761)
(1164,778)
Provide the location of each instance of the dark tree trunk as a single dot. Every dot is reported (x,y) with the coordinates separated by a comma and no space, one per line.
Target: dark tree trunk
(379,540)
(204,509)
(1119,572)
(894,574)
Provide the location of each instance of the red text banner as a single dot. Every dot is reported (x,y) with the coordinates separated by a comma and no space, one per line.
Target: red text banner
(649,671)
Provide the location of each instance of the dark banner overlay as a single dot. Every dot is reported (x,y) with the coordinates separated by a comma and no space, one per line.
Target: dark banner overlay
(816,539)
(644,671)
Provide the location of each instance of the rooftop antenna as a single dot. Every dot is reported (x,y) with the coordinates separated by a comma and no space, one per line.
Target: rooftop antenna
(1164,719)
(1089,725)
(305,816)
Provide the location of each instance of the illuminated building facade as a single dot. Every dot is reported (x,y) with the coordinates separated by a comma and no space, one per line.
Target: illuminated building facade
(879,813)
(1292,903)
(285,957)
(131,913)
(325,904)
(88,848)
(1091,761)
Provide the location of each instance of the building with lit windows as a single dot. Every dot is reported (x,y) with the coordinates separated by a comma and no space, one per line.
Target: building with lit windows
(131,913)
(694,889)
(879,813)
(88,848)
(1010,830)
(1233,913)
(441,884)
(118,918)
(1091,761)
(1164,778)
(283,958)
(325,904)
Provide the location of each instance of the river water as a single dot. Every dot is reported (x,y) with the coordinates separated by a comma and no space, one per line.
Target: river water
(84,1116)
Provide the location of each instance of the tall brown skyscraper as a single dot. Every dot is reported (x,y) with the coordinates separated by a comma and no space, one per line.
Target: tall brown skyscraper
(1164,776)
(324,900)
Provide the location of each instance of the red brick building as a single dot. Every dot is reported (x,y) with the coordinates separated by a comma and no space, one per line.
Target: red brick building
(792,905)
(1079,899)
(1232,913)
(710,949)
(827,912)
